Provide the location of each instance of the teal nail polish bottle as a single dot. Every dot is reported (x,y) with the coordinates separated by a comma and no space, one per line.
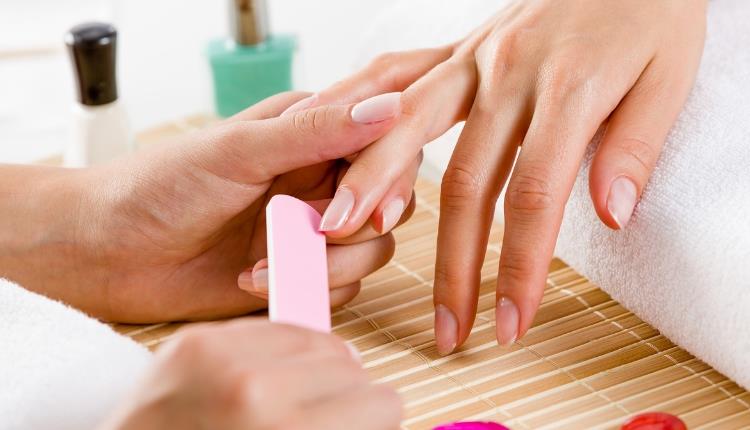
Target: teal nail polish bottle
(251,65)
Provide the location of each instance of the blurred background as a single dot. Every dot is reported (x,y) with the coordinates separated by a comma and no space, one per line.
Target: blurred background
(163,73)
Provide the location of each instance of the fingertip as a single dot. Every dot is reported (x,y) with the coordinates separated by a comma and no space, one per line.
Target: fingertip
(507,321)
(614,196)
(255,279)
(600,178)
(245,281)
(446,330)
(391,215)
(338,212)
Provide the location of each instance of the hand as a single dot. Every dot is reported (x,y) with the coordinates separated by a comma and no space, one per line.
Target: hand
(542,76)
(164,234)
(288,378)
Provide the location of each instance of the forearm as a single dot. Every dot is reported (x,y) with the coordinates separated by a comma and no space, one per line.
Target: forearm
(39,209)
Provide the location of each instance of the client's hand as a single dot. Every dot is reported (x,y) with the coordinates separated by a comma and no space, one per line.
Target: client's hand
(543,76)
(165,234)
(249,375)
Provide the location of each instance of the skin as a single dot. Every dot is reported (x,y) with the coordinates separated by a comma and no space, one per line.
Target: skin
(535,82)
(164,234)
(213,377)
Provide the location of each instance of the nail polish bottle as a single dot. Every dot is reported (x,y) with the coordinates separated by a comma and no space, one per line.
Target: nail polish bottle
(252,64)
(100,124)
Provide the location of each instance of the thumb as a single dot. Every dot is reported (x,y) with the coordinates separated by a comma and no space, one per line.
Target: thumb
(257,151)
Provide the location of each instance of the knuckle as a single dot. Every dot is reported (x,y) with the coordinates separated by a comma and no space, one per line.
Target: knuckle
(515,265)
(529,192)
(446,277)
(565,74)
(502,52)
(410,105)
(313,121)
(460,183)
(385,61)
(386,67)
(638,150)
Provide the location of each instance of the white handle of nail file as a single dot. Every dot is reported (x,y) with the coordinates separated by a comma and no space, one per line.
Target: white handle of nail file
(298,291)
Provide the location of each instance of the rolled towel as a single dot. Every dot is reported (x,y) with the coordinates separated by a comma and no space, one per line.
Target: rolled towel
(59,369)
(683,263)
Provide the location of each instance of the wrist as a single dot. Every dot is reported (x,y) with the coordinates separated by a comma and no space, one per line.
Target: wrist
(45,225)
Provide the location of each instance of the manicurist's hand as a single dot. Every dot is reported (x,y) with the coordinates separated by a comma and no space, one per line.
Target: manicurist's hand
(167,233)
(252,375)
(536,81)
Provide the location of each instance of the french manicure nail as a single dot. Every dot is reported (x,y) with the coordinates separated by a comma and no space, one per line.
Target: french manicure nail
(621,201)
(303,104)
(446,330)
(507,318)
(391,214)
(378,108)
(338,210)
(260,280)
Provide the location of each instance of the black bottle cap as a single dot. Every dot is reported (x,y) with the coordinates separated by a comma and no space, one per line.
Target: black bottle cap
(92,48)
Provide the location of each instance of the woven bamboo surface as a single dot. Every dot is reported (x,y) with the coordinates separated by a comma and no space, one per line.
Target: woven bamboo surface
(586,363)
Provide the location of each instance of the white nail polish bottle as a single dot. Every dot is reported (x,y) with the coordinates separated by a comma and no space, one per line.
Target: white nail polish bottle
(100,124)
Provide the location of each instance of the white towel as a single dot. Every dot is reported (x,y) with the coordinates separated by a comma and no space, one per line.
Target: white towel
(59,369)
(683,264)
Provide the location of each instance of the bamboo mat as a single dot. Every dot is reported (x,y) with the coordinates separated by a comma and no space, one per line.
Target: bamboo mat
(586,363)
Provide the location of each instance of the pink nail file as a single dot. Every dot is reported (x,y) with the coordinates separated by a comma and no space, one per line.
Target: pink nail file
(297,265)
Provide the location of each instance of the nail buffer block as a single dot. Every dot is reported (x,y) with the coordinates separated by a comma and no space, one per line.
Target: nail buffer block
(297,265)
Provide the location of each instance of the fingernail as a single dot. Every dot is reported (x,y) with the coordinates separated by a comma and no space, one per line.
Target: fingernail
(338,211)
(391,214)
(303,104)
(506,321)
(622,199)
(354,352)
(446,330)
(245,280)
(260,280)
(378,108)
